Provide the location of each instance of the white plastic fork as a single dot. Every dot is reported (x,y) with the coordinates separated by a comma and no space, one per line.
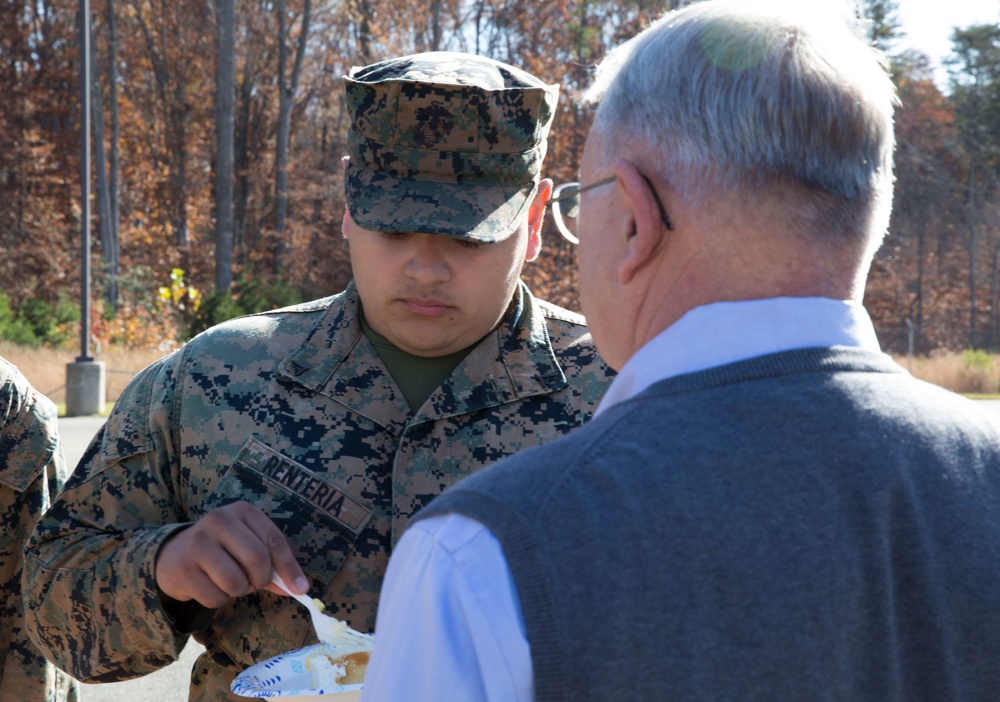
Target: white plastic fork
(329,630)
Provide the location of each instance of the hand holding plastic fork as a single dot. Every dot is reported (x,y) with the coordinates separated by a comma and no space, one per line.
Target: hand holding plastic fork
(329,630)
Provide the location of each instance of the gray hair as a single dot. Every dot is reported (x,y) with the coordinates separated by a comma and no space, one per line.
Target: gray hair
(761,100)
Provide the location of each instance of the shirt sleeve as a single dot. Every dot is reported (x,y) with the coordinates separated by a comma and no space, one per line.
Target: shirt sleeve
(32,469)
(449,624)
(91,601)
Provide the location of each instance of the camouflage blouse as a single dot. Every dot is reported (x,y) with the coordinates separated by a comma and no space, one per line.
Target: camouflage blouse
(32,471)
(294,411)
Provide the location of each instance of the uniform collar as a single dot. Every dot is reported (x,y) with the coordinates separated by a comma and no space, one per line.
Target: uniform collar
(514,361)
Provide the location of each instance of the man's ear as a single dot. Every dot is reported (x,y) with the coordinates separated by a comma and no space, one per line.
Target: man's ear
(647,233)
(536,215)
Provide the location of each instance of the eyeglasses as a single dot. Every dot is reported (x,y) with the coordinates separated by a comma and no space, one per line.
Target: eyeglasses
(565,203)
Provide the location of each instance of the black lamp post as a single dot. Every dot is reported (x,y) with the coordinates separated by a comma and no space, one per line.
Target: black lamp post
(85,378)
(85,180)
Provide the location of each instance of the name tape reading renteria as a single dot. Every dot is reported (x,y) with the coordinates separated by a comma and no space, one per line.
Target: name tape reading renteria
(316,490)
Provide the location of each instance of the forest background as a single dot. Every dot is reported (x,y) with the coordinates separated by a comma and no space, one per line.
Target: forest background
(218,131)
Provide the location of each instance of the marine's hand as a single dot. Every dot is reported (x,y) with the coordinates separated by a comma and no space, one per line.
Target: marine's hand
(230,552)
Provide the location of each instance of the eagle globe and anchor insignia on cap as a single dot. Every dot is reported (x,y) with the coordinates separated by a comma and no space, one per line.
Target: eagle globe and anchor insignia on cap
(434,124)
(445,143)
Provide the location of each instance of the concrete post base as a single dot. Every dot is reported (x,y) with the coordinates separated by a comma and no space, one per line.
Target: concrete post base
(85,388)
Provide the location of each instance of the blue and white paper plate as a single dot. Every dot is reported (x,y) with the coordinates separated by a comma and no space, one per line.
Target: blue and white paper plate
(291,674)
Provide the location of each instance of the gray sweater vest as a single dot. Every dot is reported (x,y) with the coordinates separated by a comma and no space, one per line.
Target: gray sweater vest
(810,525)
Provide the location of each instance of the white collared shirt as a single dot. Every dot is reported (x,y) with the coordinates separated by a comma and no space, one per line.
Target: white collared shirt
(449,621)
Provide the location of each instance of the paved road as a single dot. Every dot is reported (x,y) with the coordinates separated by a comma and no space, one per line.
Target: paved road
(167,685)
(171,683)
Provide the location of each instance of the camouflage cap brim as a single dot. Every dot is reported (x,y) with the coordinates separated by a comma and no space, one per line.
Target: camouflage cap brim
(483,213)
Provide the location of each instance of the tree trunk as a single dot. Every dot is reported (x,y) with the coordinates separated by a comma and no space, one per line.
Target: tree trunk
(972,244)
(286,99)
(100,167)
(242,158)
(921,245)
(171,84)
(994,282)
(225,124)
(436,31)
(112,275)
(22,167)
(178,177)
(363,31)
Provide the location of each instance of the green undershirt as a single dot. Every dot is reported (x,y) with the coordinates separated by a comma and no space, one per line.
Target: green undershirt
(416,376)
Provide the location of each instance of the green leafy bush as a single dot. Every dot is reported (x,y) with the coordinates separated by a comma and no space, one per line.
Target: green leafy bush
(249,294)
(37,322)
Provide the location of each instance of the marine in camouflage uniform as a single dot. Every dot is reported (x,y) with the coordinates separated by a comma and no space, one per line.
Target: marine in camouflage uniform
(32,471)
(296,412)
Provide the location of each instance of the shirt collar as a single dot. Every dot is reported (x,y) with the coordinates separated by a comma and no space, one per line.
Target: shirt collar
(727,332)
(514,361)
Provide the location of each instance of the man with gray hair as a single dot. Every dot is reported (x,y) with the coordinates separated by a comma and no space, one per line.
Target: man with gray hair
(302,440)
(764,507)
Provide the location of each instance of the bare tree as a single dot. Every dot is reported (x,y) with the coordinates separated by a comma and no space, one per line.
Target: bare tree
(107,235)
(974,86)
(112,271)
(287,86)
(926,189)
(163,37)
(224,130)
(363,13)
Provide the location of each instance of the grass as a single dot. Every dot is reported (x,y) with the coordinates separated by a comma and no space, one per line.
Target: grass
(45,368)
(975,374)
(972,373)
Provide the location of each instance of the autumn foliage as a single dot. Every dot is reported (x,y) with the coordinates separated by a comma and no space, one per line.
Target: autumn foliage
(155,83)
